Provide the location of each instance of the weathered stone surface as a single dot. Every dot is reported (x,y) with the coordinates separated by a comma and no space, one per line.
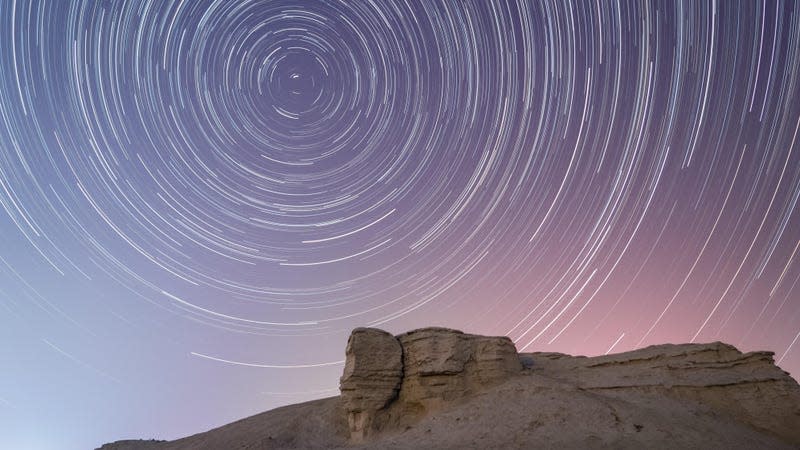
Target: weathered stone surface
(372,374)
(746,387)
(396,381)
(463,391)
(441,365)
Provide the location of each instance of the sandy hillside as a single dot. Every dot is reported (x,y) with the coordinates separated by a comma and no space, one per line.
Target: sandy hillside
(450,390)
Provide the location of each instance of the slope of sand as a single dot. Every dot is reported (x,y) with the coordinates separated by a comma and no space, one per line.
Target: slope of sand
(670,396)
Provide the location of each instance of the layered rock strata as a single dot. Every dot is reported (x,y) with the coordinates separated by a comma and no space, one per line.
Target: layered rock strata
(372,374)
(440,388)
(388,379)
(746,387)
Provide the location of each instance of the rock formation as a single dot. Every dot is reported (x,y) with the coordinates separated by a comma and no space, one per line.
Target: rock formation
(388,379)
(747,387)
(440,364)
(441,388)
(373,371)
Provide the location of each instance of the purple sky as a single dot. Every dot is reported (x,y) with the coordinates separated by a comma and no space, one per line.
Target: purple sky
(200,199)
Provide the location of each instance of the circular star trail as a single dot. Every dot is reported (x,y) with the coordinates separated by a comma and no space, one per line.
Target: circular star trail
(587,177)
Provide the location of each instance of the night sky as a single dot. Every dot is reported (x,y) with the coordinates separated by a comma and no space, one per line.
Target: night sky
(200,199)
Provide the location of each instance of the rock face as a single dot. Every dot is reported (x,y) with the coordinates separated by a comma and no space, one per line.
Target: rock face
(746,387)
(373,371)
(442,365)
(398,380)
(444,389)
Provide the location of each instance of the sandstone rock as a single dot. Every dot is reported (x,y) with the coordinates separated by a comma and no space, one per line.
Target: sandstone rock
(462,391)
(372,374)
(392,382)
(746,387)
(442,365)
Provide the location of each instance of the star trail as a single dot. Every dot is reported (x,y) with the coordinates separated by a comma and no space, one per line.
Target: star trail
(200,199)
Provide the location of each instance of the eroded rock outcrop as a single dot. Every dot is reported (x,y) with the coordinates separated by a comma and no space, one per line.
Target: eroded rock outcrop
(397,380)
(372,374)
(394,382)
(442,365)
(746,387)
(440,388)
